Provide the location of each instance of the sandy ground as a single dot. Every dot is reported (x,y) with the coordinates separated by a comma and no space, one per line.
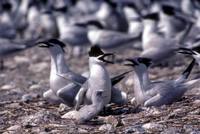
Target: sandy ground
(23,110)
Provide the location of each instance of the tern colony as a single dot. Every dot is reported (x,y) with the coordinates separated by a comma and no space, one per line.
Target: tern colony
(162,29)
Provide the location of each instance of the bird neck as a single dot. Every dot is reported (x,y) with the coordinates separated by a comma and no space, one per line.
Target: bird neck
(150,28)
(61,19)
(142,80)
(58,64)
(98,71)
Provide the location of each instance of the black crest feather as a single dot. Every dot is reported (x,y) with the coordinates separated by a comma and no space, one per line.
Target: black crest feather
(95,51)
(168,9)
(7,6)
(152,16)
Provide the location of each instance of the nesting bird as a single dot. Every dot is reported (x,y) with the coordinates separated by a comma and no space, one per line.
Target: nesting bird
(64,83)
(157,93)
(96,92)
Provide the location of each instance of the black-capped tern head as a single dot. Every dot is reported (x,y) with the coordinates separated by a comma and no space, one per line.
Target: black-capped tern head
(111,3)
(96,55)
(174,12)
(151,17)
(168,10)
(62,9)
(7,6)
(52,44)
(33,3)
(138,62)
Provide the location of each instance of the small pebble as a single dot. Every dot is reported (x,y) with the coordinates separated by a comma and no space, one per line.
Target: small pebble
(14,128)
(136,129)
(170,130)
(21,59)
(105,127)
(152,125)
(129,82)
(82,131)
(29,97)
(62,107)
(113,121)
(196,102)
(70,115)
(34,87)
(13,105)
(7,87)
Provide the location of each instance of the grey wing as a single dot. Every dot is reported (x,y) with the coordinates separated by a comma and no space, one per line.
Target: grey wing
(157,54)
(163,93)
(77,36)
(9,47)
(73,77)
(158,41)
(6,49)
(68,93)
(51,97)
(81,95)
(159,87)
(76,77)
(118,97)
(111,39)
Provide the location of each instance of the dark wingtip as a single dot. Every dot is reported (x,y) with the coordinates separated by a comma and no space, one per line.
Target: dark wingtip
(119,77)
(189,69)
(186,51)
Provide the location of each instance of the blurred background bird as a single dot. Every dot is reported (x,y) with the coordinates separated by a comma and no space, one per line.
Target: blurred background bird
(153,29)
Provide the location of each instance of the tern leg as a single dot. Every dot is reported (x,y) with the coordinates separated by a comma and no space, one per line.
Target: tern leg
(118,97)
(51,97)
(68,93)
(154,101)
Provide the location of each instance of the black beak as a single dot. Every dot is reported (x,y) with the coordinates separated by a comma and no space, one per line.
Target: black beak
(185,17)
(131,62)
(102,58)
(186,51)
(44,44)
